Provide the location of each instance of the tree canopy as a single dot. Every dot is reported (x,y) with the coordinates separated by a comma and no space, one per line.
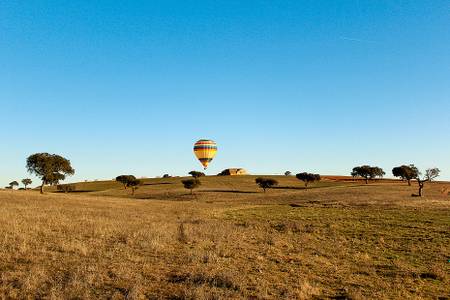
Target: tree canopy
(133,184)
(308,177)
(368,172)
(266,183)
(406,172)
(197,174)
(125,179)
(191,184)
(50,168)
(26,182)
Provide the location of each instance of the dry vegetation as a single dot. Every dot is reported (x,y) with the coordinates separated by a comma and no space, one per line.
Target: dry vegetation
(336,240)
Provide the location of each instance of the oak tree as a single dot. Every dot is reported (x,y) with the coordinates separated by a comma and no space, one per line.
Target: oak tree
(406,172)
(368,172)
(266,183)
(308,177)
(26,182)
(191,184)
(125,179)
(50,168)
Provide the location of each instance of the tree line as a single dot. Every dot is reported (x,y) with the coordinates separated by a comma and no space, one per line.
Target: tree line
(53,168)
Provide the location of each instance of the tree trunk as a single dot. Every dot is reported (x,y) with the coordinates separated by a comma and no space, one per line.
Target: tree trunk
(367,180)
(42,187)
(409,182)
(421,184)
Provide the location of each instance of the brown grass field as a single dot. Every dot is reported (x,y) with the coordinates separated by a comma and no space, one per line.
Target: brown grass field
(339,239)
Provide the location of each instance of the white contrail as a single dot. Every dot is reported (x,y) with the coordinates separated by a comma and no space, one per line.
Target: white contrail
(357,40)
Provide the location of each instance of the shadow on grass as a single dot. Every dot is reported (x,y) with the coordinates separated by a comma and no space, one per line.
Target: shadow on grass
(75,192)
(291,188)
(228,191)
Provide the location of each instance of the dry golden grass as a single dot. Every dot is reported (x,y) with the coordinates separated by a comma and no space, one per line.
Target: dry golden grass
(338,240)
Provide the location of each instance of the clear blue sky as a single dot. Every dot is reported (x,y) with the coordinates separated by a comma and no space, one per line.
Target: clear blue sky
(129,86)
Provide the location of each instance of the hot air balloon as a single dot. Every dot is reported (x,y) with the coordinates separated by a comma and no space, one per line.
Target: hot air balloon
(205,150)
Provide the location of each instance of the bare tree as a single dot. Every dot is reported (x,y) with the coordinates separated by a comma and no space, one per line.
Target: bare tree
(430,175)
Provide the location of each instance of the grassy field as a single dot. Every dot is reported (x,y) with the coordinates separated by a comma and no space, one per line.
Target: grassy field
(338,240)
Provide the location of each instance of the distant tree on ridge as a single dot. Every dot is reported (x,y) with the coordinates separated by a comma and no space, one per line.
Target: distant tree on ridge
(197,174)
(368,172)
(13,184)
(125,179)
(26,182)
(308,177)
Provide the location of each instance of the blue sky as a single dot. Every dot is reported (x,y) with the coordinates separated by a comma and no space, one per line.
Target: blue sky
(129,86)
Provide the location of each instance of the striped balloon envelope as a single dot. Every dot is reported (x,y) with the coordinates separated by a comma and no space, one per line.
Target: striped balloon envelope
(205,150)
